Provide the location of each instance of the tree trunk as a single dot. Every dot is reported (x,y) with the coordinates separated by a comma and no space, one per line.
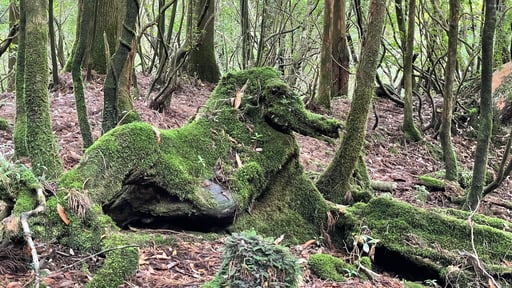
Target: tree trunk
(14,16)
(41,143)
(201,61)
(335,183)
(119,60)
(449,156)
(20,129)
(322,100)
(53,45)
(246,36)
(340,53)
(486,108)
(86,10)
(106,19)
(411,132)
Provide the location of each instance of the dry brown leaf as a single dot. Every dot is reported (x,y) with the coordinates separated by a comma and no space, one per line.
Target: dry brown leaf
(157,134)
(307,244)
(279,239)
(238,96)
(62,214)
(491,283)
(238,160)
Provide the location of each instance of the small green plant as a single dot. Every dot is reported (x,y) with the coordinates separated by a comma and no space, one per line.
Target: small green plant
(252,261)
(365,241)
(431,282)
(421,193)
(4,124)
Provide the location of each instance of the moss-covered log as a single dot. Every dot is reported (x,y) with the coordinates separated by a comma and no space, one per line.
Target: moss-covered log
(238,154)
(421,244)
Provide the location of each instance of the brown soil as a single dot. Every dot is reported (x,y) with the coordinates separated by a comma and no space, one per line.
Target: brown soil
(193,260)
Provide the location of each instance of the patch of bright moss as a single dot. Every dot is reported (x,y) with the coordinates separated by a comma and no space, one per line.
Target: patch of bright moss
(438,236)
(328,267)
(4,124)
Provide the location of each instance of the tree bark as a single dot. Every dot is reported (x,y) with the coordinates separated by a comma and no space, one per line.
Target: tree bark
(53,46)
(322,100)
(106,19)
(41,143)
(335,183)
(340,53)
(20,128)
(201,61)
(246,36)
(111,112)
(86,9)
(411,132)
(486,108)
(449,156)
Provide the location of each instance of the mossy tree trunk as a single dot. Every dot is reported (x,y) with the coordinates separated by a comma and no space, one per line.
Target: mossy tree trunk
(106,18)
(411,132)
(335,183)
(14,16)
(486,107)
(41,143)
(118,62)
(87,9)
(340,53)
(322,100)
(20,126)
(200,38)
(53,45)
(246,36)
(449,156)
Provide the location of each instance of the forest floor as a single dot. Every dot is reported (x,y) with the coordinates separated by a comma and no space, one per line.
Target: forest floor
(192,260)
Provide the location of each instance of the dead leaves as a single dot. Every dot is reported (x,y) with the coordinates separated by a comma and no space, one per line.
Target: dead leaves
(62,214)
(238,96)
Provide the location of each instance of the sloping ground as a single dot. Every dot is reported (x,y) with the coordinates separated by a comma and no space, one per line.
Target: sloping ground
(191,262)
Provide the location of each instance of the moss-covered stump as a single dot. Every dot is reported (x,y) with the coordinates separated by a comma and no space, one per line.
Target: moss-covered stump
(436,244)
(237,155)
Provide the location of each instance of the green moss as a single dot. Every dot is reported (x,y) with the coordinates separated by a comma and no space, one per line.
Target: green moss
(4,124)
(328,267)
(437,236)
(408,284)
(120,262)
(431,182)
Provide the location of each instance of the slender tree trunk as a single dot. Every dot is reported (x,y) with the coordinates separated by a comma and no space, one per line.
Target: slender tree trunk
(340,53)
(411,132)
(53,48)
(449,156)
(20,129)
(335,183)
(322,100)
(41,143)
(201,61)
(486,106)
(110,109)
(76,72)
(246,36)
(14,16)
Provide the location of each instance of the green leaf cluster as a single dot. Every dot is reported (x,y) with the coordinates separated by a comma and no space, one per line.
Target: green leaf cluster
(252,261)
